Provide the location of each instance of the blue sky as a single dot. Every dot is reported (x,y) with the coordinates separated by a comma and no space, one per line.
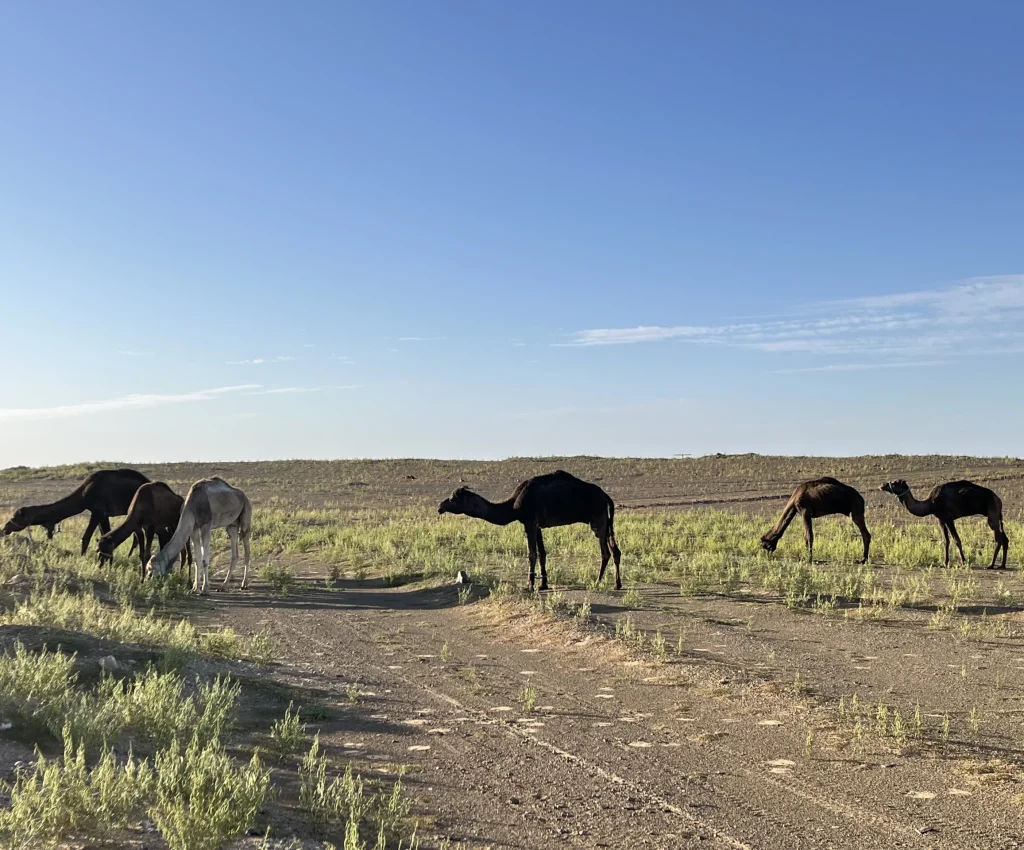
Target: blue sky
(254,230)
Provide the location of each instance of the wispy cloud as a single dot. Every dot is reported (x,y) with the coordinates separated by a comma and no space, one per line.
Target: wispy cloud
(857,367)
(280,390)
(133,401)
(259,360)
(977,316)
(421,338)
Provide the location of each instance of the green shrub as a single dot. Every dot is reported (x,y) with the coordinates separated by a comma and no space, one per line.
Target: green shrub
(203,798)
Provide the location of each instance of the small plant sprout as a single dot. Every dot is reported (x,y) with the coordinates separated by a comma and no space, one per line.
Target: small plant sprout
(528,698)
(286,735)
(444,653)
(659,647)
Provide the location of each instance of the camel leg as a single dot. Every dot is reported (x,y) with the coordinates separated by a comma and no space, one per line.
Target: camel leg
(959,545)
(809,537)
(542,555)
(145,544)
(233,536)
(995,522)
(606,554)
(858,520)
(617,555)
(945,542)
(245,563)
(197,549)
(207,533)
(531,545)
(94,521)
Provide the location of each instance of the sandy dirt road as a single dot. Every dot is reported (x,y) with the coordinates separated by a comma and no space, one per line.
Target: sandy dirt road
(615,752)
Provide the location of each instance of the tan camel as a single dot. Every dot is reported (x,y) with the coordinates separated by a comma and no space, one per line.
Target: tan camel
(821,497)
(211,503)
(952,501)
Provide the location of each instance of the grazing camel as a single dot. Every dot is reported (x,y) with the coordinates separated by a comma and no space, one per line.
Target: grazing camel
(951,501)
(545,501)
(211,503)
(154,512)
(817,498)
(105,493)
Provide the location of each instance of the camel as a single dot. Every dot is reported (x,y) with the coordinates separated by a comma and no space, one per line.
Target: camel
(105,493)
(818,498)
(154,512)
(211,503)
(545,501)
(951,501)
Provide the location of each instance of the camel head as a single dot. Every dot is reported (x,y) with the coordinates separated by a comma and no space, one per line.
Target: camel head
(456,503)
(106,549)
(19,522)
(769,543)
(898,488)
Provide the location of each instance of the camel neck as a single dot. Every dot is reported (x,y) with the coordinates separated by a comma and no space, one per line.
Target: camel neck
(915,506)
(125,530)
(57,511)
(498,513)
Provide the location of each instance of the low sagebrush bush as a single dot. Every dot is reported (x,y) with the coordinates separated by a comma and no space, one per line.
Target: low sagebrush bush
(203,798)
(64,799)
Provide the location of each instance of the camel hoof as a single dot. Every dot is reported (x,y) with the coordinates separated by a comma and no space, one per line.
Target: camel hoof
(544,587)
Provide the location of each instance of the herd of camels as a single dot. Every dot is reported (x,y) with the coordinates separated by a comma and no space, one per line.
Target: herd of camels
(183,527)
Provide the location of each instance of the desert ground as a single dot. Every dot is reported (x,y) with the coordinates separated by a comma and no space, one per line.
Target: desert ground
(724,698)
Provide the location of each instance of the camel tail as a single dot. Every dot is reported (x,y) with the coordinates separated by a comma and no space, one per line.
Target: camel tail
(162,560)
(611,518)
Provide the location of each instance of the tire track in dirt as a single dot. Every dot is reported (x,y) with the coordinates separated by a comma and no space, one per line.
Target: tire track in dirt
(729,792)
(482,719)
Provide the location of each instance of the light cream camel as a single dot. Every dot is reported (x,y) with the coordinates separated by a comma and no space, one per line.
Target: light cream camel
(211,503)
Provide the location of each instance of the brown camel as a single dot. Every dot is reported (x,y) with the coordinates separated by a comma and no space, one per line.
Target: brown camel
(545,501)
(818,498)
(951,501)
(154,512)
(105,493)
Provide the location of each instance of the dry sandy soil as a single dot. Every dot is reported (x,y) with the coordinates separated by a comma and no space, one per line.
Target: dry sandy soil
(521,729)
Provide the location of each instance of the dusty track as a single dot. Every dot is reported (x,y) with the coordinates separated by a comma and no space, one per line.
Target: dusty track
(616,753)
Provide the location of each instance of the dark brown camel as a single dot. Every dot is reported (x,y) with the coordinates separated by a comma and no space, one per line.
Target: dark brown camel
(545,501)
(154,512)
(105,493)
(821,497)
(952,501)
